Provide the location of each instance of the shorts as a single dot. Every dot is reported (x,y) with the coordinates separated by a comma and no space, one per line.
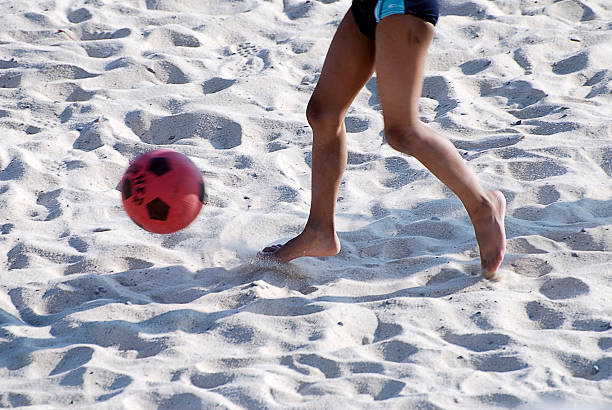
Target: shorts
(369,12)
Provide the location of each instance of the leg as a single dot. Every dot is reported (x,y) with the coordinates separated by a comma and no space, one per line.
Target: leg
(401,49)
(349,64)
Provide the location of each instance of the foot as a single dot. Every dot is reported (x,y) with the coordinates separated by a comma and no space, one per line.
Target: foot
(490,232)
(308,243)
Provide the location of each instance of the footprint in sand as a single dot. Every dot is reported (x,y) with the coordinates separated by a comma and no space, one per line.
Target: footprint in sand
(571,10)
(247,49)
(551,127)
(592,325)
(82,265)
(584,368)
(50,201)
(10,80)
(236,333)
(43,308)
(163,37)
(464,9)
(329,368)
(498,363)
(102,48)
(475,66)
(93,135)
(531,266)
(73,359)
(564,288)
(487,144)
(571,64)
(19,358)
(177,284)
(503,400)
(372,87)
(546,317)
(579,241)
(104,33)
(180,39)
(15,170)
(397,351)
(287,194)
(78,244)
(15,119)
(355,124)
(252,60)
(54,72)
(216,84)
(7,228)
(377,386)
(66,91)
(79,15)
(600,83)
(514,153)
(221,132)
(299,46)
(185,401)
(605,343)
(296,9)
(211,380)
(136,263)
(358,158)
(536,111)
(481,321)
(167,72)
(603,158)
(71,294)
(518,93)
(438,88)
(523,60)
(105,384)
(536,170)
(402,173)
(479,342)
(385,331)
(18,257)
(547,195)
(6,64)
(122,335)
(243,162)
(14,399)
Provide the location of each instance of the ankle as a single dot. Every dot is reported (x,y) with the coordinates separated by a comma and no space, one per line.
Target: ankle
(318,232)
(483,207)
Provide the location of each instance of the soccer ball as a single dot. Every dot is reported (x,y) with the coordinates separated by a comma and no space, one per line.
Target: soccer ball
(162,191)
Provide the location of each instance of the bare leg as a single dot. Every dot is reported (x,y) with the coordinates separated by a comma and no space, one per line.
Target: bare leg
(401,49)
(348,66)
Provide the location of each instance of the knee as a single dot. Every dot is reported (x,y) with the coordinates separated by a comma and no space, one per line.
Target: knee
(321,117)
(404,139)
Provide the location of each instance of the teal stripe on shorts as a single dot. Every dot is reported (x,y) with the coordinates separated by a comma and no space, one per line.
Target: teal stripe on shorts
(386,8)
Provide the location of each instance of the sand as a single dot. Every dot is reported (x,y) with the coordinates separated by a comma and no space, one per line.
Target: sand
(97,313)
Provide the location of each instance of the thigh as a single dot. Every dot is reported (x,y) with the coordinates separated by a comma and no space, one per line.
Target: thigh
(348,66)
(401,50)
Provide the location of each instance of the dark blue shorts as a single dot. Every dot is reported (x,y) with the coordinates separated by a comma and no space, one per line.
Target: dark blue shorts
(369,12)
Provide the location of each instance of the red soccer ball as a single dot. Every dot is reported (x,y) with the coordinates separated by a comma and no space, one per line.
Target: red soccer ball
(162,191)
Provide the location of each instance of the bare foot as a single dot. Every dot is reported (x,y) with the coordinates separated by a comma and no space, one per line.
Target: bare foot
(490,233)
(308,243)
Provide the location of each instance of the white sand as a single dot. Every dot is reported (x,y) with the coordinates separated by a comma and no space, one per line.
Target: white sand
(97,313)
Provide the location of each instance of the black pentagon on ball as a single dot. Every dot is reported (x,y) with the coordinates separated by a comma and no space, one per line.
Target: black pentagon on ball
(158,210)
(126,189)
(159,166)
